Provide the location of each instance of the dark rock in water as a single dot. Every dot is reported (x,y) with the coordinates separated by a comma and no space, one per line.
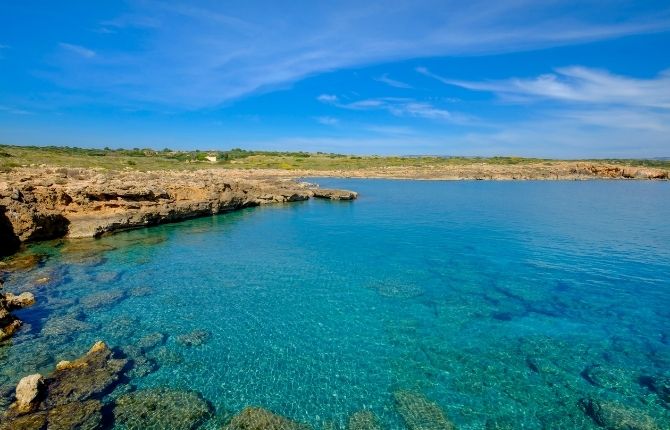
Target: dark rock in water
(253,418)
(608,377)
(363,420)
(419,413)
(195,338)
(151,341)
(76,415)
(140,364)
(89,376)
(107,277)
(659,384)
(102,298)
(614,416)
(161,409)
(64,325)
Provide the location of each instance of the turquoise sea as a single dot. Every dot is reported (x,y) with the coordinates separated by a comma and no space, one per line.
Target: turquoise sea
(505,303)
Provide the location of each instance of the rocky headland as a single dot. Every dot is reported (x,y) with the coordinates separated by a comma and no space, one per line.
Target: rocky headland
(47,203)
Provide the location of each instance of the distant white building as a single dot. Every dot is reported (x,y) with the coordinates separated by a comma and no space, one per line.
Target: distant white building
(211,158)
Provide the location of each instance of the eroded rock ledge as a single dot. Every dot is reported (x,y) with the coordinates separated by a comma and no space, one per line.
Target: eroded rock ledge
(39,204)
(9,302)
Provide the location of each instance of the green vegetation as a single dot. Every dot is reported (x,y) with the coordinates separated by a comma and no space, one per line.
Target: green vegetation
(150,159)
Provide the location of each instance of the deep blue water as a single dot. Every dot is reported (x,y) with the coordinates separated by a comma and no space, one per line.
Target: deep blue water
(503,302)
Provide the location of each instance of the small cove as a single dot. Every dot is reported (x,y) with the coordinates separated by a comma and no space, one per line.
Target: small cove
(503,302)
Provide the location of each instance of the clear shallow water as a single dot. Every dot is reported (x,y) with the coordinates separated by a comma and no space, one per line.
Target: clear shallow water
(502,302)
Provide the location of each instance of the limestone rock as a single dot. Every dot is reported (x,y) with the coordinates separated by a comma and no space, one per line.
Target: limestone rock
(419,413)
(254,418)
(161,408)
(324,193)
(21,301)
(29,392)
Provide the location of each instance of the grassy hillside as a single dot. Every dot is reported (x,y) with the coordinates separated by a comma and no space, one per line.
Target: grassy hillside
(148,159)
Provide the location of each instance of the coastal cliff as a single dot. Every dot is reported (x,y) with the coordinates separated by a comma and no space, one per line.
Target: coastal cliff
(39,204)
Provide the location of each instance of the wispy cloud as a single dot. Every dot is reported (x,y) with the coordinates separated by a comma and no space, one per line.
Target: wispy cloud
(400,107)
(13,111)
(576,84)
(328,98)
(392,82)
(190,56)
(77,49)
(327,120)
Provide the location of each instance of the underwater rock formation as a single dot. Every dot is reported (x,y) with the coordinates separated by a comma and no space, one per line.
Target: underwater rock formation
(419,413)
(363,420)
(9,302)
(161,408)
(195,338)
(614,416)
(254,418)
(70,397)
(39,204)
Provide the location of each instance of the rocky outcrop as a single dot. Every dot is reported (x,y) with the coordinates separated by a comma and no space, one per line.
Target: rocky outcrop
(325,193)
(9,302)
(254,418)
(37,204)
(363,420)
(70,397)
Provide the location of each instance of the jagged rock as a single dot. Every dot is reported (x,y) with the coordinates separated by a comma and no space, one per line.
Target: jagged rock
(195,338)
(21,301)
(419,413)
(614,416)
(8,331)
(167,356)
(84,378)
(324,193)
(102,298)
(161,408)
(363,420)
(253,418)
(29,393)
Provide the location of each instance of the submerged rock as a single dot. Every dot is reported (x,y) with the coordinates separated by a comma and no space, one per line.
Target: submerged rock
(161,408)
(614,416)
(419,413)
(76,415)
(195,338)
(151,341)
(659,384)
(102,298)
(254,418)
(64,325)
(398,290)
(363,420)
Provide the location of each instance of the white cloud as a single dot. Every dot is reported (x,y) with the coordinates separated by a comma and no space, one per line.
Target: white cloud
(327,120)
(576,84)
(392,82)
(328,98)
(78,50)
(188,56)
(401,107)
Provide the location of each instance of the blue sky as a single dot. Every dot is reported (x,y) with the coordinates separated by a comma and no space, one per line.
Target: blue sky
(562,79)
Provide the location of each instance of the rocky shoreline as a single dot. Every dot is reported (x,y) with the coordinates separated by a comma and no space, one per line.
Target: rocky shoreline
(47,203)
